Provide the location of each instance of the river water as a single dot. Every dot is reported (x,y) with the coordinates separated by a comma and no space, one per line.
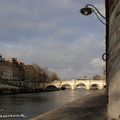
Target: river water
(34,104)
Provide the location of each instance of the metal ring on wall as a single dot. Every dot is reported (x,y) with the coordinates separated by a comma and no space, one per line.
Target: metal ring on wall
(105,56)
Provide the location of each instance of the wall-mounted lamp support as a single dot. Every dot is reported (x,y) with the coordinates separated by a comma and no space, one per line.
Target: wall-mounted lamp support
(88,10)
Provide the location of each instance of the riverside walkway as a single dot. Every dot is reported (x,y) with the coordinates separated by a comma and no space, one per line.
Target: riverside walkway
(90,107)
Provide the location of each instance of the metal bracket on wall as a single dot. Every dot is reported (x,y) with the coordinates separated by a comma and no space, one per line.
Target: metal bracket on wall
(105,56)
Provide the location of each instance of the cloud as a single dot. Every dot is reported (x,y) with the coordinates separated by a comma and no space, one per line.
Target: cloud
(68,59)
(97,63)
(52,34)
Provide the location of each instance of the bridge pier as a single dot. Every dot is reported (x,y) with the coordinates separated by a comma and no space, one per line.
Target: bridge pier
(100,87)
(87,87)
(72,87)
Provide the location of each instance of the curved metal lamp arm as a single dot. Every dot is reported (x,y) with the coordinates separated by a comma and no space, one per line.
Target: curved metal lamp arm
(96,10)
(99,18)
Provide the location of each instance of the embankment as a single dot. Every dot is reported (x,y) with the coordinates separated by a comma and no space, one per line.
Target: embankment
(90,107)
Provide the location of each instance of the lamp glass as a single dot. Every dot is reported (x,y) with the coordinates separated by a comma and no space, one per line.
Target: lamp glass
(86,11)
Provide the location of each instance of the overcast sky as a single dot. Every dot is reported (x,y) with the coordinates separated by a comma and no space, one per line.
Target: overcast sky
(53,34)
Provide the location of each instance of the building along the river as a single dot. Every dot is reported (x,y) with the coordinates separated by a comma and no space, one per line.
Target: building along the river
(12,71)
(15,72)
(33,78)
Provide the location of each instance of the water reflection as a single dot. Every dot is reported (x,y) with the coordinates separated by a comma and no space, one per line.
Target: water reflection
(34,104)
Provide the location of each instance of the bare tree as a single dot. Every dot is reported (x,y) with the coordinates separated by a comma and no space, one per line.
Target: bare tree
(97,77)
(51,75)
(39,72)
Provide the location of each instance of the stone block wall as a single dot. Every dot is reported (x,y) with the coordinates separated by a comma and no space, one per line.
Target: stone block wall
(114,60)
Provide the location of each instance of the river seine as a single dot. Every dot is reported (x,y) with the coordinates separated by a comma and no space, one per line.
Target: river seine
(25,106)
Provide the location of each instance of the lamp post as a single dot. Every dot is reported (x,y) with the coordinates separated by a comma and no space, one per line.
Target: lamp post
(89,9)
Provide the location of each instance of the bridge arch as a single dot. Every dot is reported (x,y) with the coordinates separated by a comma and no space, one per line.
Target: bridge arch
(104,86)
(95,86)
(81,85)
(50,87)
(68,86)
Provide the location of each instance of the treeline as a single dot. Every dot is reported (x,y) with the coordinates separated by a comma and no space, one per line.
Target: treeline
(46,74)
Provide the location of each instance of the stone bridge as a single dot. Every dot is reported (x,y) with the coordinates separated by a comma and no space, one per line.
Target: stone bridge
(87,84)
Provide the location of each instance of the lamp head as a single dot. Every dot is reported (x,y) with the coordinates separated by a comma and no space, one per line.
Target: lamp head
(86,11)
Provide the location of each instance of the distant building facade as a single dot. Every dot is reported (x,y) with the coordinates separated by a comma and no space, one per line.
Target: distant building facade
(16,73)
(12,71)
(7,70)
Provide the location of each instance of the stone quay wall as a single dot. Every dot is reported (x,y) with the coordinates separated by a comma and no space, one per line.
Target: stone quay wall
(114,59)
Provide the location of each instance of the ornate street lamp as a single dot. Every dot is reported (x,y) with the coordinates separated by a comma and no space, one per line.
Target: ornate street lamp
(89,9)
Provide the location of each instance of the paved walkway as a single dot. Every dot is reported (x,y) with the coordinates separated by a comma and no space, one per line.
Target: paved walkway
(90,107)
